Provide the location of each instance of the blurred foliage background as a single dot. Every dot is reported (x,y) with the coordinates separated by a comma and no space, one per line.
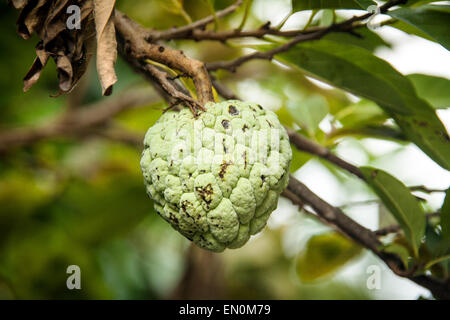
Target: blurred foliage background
(82,201)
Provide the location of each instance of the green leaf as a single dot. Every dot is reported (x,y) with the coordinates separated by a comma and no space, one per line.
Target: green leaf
(434,90)
(367,39)
(360,72)
(324,255)
(361,114)
(299,5)
(400,251)
(309,112)
(400,202)
(431,20)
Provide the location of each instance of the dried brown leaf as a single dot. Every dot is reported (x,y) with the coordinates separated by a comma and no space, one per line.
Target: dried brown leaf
(70,49)
(36,69)
(106,43)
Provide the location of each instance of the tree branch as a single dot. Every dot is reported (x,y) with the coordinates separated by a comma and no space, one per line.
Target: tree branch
(185,31)
(135,47)
(368,239)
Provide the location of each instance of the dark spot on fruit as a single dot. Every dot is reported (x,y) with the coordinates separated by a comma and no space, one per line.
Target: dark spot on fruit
(184,205)
(245,159)
(245,127)
(259,106)
(263,178)
(225,124)
(173,218)
(157,177)
(223,168)
(205,193)
(225,150)
(233,111)
(161,49)
(268,122)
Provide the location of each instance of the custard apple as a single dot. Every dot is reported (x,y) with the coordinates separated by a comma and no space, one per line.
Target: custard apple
(217,178)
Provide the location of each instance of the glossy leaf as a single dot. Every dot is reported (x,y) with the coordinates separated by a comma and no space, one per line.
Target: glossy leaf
(400,202)
(324,255)
(431,20)
(435,90)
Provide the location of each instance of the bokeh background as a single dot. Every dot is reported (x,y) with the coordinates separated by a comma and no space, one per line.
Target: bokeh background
(81,201)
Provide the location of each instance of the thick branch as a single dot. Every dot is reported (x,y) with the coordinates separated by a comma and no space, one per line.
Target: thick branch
(169,87)
(136,47)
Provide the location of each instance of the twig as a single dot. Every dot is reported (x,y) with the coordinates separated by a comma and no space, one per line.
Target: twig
(181,32)
(166,83)
(425,189)
(266,55)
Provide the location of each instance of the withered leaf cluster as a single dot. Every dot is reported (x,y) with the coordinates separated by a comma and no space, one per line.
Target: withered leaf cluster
(70,48)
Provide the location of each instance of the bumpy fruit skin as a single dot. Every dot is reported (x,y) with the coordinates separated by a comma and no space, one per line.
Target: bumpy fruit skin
(216,179)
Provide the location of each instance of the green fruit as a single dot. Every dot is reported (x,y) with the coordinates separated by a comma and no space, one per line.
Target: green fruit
(217,178)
